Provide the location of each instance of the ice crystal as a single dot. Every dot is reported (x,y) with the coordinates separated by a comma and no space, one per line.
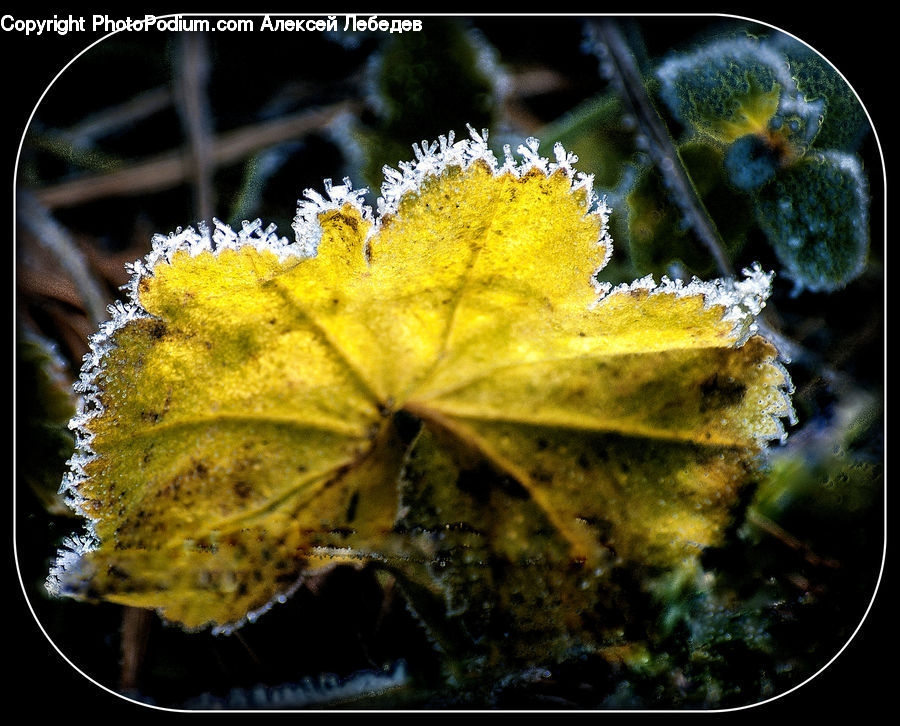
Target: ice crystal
(326,689)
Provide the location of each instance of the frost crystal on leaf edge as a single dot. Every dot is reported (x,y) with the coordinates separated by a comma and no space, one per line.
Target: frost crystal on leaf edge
(743,301)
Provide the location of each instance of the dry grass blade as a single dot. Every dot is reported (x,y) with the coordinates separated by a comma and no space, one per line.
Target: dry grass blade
(174,167)
(57,240)
(192,74)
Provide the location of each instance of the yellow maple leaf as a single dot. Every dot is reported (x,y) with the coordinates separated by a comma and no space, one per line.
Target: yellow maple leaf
(259,406)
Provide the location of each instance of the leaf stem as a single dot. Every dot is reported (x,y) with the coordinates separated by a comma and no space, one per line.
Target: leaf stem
(135,635)
(627,78)
(580,549)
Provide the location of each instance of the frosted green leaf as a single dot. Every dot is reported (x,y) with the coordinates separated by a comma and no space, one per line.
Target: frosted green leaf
(815,214)
(732,87)
(844,122)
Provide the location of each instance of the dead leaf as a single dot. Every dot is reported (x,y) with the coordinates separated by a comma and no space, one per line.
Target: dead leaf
(261,408)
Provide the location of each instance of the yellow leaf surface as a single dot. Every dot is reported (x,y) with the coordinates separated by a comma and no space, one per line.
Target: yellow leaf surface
(258,408)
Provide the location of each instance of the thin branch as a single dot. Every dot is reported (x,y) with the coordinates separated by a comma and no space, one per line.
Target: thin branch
(191,76)
(627,77)
(112,119)
(173,168)
(536,81)
(782,535)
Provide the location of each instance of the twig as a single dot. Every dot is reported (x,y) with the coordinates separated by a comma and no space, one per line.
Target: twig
(782,535)
(627,77)
(192,73)
(111,119)
(536,81)
(54,287)
(172,168)
(248,649)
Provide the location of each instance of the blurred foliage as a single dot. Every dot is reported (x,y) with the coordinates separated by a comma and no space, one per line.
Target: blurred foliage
(777,148)
(422,85)
(815,214)
(600,135)
(657,232)
(43,427)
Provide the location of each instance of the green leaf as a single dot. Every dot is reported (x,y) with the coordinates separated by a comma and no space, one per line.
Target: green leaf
(844,123)
(815,214)
(732,87)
